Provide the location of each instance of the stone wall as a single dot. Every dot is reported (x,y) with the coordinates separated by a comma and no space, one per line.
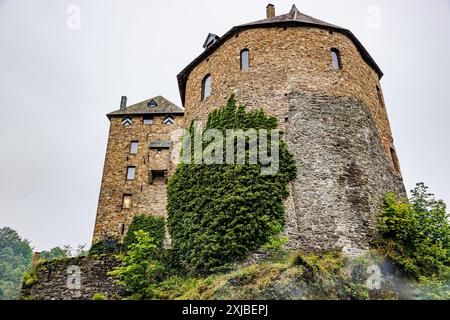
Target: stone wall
(147,197)
(342,177)
(73,279)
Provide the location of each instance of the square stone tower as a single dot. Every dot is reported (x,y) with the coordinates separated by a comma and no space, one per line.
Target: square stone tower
(142,153)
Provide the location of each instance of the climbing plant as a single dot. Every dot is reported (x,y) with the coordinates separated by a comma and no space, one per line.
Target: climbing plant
(154,226)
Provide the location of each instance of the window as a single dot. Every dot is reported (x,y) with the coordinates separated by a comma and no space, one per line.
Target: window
(147,120)
(134,147)
(127,121)
(122,228)
(169,120)
(206,87)
(152,103)
(380,96)
(245,60)
(336,59)
(126,201)
(131,173)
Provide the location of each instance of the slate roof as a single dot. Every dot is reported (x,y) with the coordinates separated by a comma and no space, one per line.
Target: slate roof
(164,106)
(292,19)
(160,144)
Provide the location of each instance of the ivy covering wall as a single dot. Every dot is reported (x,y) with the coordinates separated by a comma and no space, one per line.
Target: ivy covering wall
(219,213)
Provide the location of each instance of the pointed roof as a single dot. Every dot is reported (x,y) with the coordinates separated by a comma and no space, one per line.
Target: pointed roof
(293,18)
(163,106)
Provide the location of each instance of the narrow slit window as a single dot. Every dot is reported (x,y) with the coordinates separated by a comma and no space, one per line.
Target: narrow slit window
(126,201)
(134,147)
(380,95)
(206,87)
(336,59)
(131,173)
(122,229)
(127,121)
(245,60)
(395,160)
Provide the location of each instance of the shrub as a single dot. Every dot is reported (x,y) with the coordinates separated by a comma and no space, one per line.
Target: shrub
(154,226)
(219,213)
(106,246)
(416,234)
(140,271)
(99,296)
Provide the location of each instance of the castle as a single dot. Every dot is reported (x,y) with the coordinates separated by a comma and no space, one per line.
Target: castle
(320,83)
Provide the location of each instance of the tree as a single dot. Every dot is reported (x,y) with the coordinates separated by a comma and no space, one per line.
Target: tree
(57,253)
(140,271)
(16,255)
(219,213)
(416,233)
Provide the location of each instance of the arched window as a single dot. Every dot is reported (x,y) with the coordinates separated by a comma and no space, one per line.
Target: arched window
(380,95)
(336,59)
(206,87)
(245,59)
(169,119)
(127,121)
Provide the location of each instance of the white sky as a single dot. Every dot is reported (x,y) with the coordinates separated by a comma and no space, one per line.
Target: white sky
(57,84)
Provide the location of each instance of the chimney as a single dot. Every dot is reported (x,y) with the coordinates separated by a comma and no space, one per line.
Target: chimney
(123,103)
(270,9)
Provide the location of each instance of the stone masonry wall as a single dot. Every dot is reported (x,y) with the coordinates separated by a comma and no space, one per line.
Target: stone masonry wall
(342,177)
(147,198)
(283,61)
(73,279)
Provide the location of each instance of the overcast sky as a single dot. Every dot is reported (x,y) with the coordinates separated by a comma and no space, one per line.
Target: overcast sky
(65,64)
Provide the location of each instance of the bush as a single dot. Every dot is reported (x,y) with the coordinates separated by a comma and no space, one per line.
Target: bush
(154,226)
(99,296)
(219,213)
(416,234)
(106,246)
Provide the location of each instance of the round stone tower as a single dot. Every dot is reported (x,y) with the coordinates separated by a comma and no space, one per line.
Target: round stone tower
(323,86)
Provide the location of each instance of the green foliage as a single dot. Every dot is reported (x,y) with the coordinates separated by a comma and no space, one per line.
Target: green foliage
(140,271)
(99,296)
(154,226)
(219,213)
(416,234)
(107,245)
(29,279)
(15,259)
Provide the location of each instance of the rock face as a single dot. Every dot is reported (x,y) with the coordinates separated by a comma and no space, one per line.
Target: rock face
(342,177)
(73,279)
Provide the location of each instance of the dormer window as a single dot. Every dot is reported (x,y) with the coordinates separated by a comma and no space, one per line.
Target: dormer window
(152,104)
(210,40)
(206,87)
(169,119)
(127,121)
(336,59)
